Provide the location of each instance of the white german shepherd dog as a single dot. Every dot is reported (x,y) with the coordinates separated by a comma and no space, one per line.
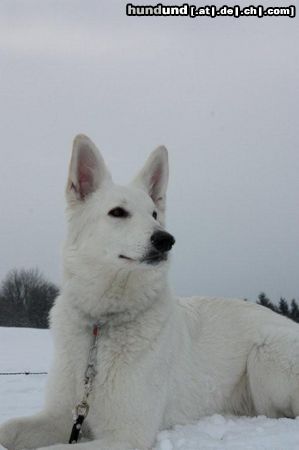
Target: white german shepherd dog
(161,360)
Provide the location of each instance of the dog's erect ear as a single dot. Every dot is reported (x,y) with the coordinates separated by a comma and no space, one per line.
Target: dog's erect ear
(153,177)
(87,171)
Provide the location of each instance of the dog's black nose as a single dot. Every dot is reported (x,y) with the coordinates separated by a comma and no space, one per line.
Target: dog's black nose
(162,241)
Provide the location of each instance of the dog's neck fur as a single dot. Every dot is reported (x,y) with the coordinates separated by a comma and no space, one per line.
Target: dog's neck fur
(116,296)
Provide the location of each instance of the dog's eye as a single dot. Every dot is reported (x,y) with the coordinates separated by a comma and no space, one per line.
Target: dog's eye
(155,215)
(118,212)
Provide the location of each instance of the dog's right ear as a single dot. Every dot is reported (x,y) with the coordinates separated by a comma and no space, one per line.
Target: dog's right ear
(87,171)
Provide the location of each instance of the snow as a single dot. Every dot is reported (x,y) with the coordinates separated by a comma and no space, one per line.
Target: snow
(232,433)
(23,349)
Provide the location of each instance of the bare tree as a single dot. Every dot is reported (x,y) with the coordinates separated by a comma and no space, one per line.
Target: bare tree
(26,298)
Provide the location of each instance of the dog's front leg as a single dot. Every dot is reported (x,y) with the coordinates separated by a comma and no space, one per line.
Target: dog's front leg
(98,444)
(50,426)
(32,432)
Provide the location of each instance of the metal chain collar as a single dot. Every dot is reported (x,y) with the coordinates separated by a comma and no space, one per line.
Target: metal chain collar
(81,410)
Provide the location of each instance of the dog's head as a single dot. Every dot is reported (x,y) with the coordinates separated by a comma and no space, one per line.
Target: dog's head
(114,225)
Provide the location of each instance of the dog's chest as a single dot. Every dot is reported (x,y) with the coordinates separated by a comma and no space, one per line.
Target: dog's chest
(126,365)
(103,353)
(113,356)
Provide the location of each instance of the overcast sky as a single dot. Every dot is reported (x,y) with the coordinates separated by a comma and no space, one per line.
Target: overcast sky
(222,95)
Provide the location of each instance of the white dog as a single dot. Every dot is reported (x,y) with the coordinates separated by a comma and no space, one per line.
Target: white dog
(159,360)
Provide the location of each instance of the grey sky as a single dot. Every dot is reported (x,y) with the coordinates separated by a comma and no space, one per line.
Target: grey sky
(222,95)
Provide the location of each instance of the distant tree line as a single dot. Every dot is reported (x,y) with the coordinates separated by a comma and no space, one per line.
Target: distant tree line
(26,298)
(289,310)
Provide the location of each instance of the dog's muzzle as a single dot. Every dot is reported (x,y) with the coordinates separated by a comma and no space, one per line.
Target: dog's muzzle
(162,243)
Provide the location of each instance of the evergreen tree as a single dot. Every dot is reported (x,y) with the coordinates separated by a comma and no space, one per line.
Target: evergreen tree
(283,307)
(264,301)
(294,311)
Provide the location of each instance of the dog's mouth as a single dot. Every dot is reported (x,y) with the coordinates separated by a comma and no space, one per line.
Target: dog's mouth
(126,257)
(154,257)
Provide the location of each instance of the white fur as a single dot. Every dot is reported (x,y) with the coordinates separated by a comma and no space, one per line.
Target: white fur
(161,360)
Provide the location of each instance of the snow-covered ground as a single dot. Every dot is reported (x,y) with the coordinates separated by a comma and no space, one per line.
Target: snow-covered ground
(30,350)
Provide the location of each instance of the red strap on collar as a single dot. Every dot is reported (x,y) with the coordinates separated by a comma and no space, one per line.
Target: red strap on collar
(95,330)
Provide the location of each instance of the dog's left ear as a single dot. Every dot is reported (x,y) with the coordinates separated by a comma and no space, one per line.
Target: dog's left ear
(153,177)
